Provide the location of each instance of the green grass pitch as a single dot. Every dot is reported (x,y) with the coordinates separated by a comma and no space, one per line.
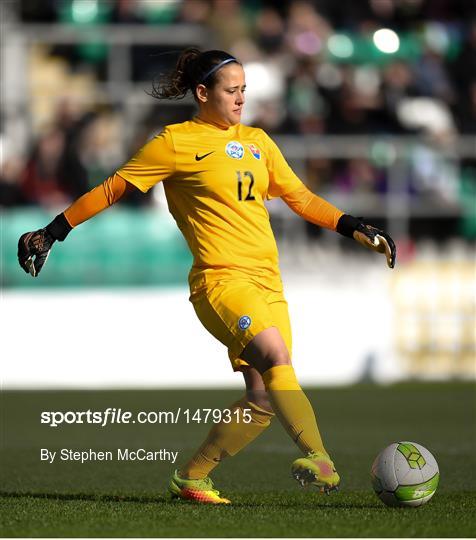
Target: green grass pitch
(127,499)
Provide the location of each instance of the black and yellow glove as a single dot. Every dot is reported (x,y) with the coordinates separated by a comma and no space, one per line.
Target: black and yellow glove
(34,247)
(370,237)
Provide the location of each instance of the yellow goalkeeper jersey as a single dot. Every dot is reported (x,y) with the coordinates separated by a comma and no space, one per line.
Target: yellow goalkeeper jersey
(216,181)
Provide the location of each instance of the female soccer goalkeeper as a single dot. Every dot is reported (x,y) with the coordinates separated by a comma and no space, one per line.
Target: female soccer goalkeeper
(217,173)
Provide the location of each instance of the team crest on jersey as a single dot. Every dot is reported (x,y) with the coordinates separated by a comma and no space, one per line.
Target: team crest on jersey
(244,322)
(255,151)
(235,149)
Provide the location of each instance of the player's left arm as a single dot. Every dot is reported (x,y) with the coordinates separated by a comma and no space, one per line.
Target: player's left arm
(320,212)
(284,183)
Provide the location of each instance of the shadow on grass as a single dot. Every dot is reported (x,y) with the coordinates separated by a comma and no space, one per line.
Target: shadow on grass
(314,505)
(161,499)
(85,497)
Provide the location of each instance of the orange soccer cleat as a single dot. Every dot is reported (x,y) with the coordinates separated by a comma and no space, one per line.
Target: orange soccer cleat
(200,491)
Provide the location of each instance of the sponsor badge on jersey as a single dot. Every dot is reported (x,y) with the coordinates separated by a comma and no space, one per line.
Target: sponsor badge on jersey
(244,322)
(235,149)
(255,151)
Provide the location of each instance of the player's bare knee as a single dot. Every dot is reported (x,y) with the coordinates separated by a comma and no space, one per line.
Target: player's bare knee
(276,355)
(279,357)
(267,350)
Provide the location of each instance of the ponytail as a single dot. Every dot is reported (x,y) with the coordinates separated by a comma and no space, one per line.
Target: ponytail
(193,68)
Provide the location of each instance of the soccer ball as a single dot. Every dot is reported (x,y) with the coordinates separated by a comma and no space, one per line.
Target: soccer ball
(405,474)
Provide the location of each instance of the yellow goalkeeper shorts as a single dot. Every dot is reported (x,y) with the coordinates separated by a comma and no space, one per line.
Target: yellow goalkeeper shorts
(236,311)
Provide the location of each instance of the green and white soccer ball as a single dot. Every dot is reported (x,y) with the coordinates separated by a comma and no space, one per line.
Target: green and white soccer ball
(405,474)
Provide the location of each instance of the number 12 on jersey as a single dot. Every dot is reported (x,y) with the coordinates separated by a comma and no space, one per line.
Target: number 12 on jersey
(242,188)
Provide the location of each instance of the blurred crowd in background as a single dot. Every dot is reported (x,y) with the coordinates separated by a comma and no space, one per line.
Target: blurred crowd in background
(373,103)
(376,68)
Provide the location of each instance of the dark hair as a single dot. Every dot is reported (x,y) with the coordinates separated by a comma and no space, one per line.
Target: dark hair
(193,68)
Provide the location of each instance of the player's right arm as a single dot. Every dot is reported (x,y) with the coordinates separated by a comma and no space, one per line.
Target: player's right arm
(153,163)
(34,247)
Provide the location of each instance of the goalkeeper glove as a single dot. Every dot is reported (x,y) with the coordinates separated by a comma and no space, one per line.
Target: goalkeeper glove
(34,247)
(368,236)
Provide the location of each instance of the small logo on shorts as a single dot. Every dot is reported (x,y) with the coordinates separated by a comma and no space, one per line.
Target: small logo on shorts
(244,322)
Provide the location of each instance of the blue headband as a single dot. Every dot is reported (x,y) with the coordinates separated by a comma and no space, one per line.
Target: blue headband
(216,68)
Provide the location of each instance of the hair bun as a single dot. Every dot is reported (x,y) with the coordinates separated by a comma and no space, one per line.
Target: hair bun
(193,67)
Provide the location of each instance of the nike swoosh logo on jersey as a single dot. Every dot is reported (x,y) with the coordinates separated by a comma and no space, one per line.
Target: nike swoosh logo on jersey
(199,158)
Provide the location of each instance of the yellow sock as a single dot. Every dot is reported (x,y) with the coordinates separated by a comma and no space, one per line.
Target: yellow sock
(293,408)
(227,439)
